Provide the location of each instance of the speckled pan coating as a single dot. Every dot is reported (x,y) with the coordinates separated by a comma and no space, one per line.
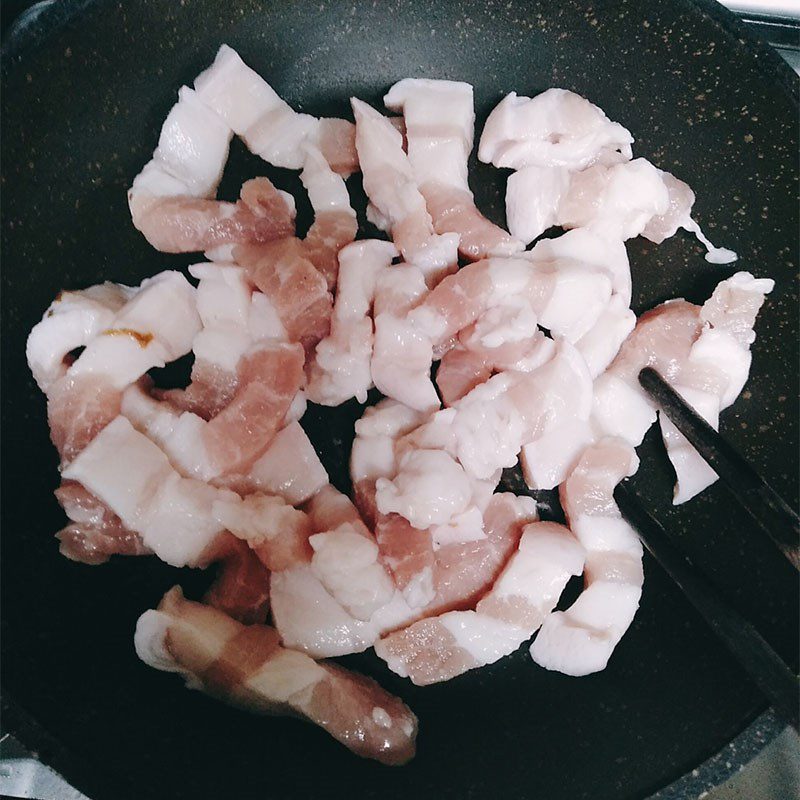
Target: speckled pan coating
(83,98)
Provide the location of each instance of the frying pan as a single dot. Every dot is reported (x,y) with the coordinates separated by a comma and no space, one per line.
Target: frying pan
(84,95)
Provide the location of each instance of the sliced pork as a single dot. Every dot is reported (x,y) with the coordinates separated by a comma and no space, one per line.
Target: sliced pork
(246,666)
(581,639)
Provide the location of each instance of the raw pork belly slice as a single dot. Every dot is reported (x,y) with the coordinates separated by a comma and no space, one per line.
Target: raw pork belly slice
(268,378)
(172,514)
(156,325)
(661,339)
(234,317)
(297,290)
(440,121)
(289,467)
(439,648)
(408,553)
(171,198)
(581,639)
(715,371)
(390,185)
(557,128)
(335,224)
(246,666)
(269,127)
(496,419)
(340,367)
(464,571)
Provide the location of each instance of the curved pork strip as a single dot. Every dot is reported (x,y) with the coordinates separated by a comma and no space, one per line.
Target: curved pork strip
(247,667)
(171,199)
(439,648)
(269,127)
(389,184)
(439,120)
(581,639)
(340,367)
(714,373)
(661,339)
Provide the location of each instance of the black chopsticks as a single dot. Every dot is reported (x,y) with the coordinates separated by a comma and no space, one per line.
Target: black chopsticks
(756,496)
(759,660)
(769,672)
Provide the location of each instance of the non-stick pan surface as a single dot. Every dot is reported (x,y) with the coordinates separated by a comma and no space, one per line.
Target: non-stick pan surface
(82,104)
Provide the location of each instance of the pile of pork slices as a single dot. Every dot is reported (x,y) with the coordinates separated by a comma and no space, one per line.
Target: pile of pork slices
(535,354)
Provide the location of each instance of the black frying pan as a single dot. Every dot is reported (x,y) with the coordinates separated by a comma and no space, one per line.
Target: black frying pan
(83,98)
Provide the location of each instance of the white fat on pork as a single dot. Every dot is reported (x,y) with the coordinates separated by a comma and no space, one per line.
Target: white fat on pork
(390,185)
(714,373)
(581,639)
(156,325)
(190,157)
(267,124)
(430,488)
(171,513)
(71,321)
(557,128)
(341,365)
(172,199)
(592,249)
(440,120)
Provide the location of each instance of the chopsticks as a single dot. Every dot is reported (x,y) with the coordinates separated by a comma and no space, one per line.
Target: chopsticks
(756,496)
(754,654)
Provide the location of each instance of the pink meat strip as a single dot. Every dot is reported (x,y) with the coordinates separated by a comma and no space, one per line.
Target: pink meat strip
(193,224)
(247,667)
(408,553)
(293,284)
(269,378)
